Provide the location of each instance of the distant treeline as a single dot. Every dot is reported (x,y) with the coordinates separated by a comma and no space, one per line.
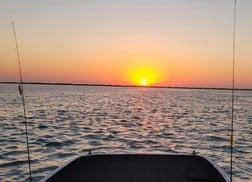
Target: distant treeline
(111,85)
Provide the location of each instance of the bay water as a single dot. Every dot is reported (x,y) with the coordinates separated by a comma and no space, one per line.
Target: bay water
(67,121)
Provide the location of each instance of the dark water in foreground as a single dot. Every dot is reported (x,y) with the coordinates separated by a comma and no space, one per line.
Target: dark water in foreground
(65,121)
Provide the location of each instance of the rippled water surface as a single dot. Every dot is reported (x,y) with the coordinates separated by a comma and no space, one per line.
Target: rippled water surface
(65,121)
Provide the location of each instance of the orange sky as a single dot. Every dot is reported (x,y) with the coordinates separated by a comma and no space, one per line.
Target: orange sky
(165,43)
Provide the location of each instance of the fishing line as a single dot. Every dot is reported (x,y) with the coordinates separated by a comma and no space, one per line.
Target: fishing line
(21,92)
(233,88)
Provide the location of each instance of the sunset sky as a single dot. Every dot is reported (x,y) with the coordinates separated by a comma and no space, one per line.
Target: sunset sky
(131,42)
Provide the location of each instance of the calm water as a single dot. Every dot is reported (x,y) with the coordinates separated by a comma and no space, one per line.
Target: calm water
(65,121)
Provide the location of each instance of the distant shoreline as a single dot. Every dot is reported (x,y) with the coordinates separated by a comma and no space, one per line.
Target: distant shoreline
(111,85)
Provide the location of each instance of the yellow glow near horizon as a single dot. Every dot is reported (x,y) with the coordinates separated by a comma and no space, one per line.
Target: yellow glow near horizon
(144,74)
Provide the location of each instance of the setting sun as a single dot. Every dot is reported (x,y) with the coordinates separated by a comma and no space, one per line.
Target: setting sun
(143,82)
(144,76)
(143,70)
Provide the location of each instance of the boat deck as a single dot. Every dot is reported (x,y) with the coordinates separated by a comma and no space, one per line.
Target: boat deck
(139,168)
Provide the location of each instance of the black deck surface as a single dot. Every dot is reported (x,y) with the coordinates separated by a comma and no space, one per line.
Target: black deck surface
(138,168)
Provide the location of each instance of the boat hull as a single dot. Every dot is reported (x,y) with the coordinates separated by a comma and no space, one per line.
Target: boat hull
(138,168)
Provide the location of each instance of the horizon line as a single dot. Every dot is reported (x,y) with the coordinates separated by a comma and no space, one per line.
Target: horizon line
(119,85)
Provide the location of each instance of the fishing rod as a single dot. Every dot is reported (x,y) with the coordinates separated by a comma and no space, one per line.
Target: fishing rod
(21,92)
(233,88)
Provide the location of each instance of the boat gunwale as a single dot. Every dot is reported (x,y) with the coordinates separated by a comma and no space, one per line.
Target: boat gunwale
(55,171)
